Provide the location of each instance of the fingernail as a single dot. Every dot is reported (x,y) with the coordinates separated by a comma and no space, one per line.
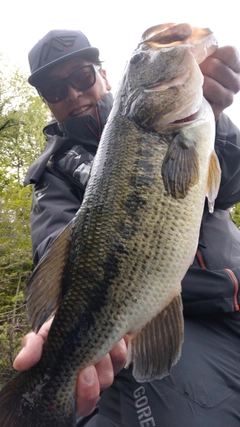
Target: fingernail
(88,375)
(19,356)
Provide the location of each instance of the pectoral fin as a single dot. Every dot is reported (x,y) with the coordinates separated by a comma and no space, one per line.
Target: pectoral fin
(44,291)
(157,347)
(180,168)
(214,178)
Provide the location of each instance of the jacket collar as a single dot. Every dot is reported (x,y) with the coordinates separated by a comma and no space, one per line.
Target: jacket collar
(85,130)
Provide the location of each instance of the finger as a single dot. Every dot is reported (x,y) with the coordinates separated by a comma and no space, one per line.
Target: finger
(221,73)
(31,350)
(105,372)
(93,379)
(118,356)
(111,364)
(30,353)
(43,331)
(218,97)
(230,56)
(88,390)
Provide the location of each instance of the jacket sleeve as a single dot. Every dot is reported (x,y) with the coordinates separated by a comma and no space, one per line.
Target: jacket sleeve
(227,146)
(212,283)
(51,212)
(206,291)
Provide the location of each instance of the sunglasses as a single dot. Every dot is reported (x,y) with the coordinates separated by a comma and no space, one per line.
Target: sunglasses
(82,79)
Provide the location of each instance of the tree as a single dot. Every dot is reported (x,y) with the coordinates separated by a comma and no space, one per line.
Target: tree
(235,214)
(15,267)
(22,117)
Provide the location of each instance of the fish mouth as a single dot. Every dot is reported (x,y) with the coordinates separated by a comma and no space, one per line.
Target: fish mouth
(171,119)
(186,119)
(202,40)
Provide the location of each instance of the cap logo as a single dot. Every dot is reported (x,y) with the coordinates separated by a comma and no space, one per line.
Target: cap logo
(55,44)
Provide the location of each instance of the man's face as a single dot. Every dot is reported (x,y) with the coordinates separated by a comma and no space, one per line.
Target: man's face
(77,103)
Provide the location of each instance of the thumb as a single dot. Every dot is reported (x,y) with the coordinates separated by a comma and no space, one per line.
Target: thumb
(30,353)
(31,350)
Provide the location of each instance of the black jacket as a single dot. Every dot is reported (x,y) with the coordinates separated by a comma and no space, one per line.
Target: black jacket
(60,174)
(211,285)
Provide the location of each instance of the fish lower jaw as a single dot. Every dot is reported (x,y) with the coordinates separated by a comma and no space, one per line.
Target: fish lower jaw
(190,118)
(173,118)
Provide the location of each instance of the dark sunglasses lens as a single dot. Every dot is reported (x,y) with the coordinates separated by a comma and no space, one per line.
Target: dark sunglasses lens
(84,78)
(54,92)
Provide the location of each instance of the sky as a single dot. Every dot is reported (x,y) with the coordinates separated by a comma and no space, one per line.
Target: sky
(115,27)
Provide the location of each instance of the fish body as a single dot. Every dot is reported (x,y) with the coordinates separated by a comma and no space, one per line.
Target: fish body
(120,262)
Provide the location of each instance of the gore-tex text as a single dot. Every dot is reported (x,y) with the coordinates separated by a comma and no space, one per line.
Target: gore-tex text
(143,409)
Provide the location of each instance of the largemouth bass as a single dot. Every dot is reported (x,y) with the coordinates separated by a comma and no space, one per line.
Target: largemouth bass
(117,268)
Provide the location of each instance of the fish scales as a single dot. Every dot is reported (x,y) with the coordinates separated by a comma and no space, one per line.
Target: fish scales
(120,262)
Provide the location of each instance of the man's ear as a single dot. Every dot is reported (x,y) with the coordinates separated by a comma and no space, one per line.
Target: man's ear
(104,76)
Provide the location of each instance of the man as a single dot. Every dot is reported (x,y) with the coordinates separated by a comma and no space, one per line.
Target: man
(203,388)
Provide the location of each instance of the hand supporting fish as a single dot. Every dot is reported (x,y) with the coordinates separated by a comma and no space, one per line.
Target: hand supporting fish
(91,380)
(221,73)
(120,262)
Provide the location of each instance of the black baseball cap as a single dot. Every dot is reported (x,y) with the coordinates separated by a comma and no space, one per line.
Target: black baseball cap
(54,47)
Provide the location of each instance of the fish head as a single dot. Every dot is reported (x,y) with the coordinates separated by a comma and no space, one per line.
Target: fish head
(163,81)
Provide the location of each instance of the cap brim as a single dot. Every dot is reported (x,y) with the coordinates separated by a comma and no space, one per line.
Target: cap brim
(36,77)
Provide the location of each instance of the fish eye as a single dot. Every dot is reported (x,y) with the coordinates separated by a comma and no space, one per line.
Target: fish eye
(136,58)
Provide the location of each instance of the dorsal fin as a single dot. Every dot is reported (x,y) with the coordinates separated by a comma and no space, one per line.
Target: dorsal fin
(44,291)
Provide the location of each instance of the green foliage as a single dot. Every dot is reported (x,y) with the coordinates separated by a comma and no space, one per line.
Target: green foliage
(22,117)
(235,214)
(15,267)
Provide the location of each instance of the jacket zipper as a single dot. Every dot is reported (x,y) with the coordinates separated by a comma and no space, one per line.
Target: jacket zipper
(236,288)
(200,259)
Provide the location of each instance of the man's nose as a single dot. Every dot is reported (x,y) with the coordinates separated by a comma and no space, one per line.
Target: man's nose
(73,93)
